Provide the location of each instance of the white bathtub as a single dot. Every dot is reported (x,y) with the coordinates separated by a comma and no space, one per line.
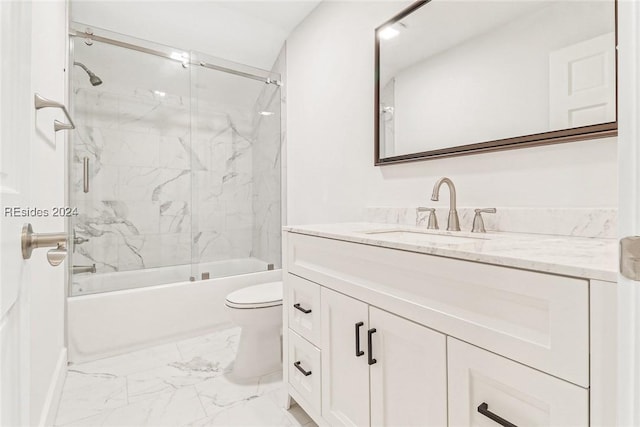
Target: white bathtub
(110,323)
(89,283)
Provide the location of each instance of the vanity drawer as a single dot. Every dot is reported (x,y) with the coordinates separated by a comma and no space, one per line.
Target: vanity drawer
(303,299)
(518,394)
(304,369)
(538,319)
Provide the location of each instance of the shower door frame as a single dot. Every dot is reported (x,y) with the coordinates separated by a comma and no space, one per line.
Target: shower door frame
(78,30)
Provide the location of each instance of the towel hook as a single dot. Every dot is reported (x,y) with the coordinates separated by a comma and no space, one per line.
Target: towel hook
(42,102)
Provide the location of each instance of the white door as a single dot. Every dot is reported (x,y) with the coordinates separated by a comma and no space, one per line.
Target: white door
(409,378)
(16,106)
(629,208)
(32,176)
(345,375)
(582,80)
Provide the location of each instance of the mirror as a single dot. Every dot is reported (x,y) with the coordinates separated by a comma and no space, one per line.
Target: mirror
(459,77)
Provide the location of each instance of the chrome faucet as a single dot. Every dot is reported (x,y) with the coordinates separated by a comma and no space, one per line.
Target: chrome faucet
(478,223)
(433,220)
(453,223)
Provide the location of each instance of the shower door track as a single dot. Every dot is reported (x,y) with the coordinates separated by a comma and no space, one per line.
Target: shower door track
(173,57)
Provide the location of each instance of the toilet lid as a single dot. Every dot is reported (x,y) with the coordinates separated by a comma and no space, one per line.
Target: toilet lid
(258,296)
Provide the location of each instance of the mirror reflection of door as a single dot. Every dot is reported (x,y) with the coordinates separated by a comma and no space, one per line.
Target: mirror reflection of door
(581,79)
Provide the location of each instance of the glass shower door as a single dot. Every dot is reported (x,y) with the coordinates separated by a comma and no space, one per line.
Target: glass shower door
(130,165)
(236,169)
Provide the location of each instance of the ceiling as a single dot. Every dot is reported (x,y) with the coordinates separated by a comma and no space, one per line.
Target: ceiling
(248,32)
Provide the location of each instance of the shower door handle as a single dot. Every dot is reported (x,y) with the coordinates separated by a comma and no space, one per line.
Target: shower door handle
(85,174)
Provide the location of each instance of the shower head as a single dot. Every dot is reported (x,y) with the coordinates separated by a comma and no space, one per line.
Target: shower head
(93,79)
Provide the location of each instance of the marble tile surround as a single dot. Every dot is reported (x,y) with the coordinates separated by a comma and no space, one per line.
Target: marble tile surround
(173,183)
(577,222)
(187,383)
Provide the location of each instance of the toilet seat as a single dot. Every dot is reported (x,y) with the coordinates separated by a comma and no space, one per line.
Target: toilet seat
(259,296)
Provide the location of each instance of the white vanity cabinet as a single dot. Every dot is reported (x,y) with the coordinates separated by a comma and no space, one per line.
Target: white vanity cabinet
(406,338)
(345,374)
(379,369)
(480,381)
(409,379)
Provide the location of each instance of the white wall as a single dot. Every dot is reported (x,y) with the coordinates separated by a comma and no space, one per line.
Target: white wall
(330,174)
(47,287)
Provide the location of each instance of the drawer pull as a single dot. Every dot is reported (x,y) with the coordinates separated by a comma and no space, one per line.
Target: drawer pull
(370,346)
(304,310)
(301,369)
(484,410)
(358,351)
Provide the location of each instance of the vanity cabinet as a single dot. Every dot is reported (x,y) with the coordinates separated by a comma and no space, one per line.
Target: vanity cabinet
(379,369)
(345,373)
(409,379)
(483,384)
(405,338)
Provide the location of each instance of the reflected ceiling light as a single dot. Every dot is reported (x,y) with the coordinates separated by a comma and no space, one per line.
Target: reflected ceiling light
(159,92)
(388,33)
(266,113)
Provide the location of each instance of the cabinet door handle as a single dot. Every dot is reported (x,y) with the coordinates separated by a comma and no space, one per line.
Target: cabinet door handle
(358,351)
(484,410)
(304,310)
(370,346)
(301,369)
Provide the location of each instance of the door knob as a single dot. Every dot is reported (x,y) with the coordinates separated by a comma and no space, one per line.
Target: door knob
(630,257)
(31,241)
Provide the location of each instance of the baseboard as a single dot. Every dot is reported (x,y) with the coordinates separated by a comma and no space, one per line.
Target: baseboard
(50,408)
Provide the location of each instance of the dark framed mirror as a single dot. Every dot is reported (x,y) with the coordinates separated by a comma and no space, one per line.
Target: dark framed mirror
(462,77)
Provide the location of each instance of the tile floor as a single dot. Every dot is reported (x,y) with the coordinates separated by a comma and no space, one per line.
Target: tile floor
(187,383)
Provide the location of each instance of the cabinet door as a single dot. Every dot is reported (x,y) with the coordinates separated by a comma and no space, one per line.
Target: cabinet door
(483,385)
(345,376)
(303,307)
(304,369)
(409,378)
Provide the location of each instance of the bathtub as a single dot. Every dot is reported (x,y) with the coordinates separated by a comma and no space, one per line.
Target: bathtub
(89,283)
(136,314)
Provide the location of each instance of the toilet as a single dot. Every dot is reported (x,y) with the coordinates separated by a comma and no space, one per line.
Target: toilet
(258,311)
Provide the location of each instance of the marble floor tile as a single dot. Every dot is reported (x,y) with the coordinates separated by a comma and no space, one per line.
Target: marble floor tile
(186,383)
(172,408)
(89,395)
(257,411)
(175,375)
(134,362)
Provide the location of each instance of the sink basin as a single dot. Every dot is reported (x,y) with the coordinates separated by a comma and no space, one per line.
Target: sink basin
(411,236)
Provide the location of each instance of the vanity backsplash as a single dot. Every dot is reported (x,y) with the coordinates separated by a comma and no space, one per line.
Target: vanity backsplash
(577,222)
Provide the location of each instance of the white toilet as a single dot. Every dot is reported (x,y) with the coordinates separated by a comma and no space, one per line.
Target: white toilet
(258,311)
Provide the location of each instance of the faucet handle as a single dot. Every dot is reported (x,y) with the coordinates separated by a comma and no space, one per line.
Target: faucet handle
(433,220)
(478,222)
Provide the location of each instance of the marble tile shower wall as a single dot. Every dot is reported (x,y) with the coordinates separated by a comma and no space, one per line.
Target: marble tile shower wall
(222,184)
(166,186)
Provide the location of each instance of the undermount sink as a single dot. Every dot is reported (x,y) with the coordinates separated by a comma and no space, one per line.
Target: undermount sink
(417,236)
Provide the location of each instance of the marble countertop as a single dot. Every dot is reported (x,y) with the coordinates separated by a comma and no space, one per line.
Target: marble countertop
(590,258)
